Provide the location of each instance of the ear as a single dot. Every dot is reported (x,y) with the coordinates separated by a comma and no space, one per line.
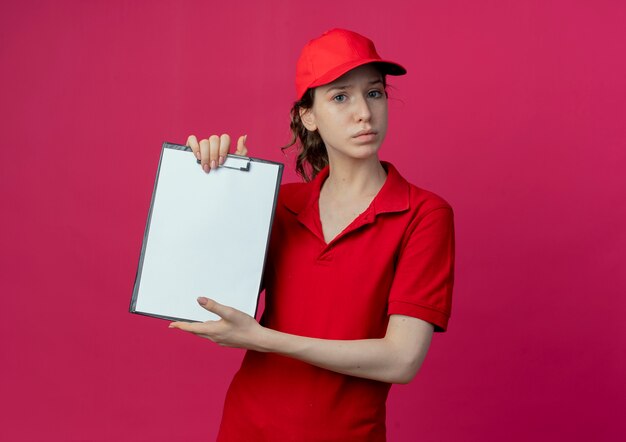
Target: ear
(308,119)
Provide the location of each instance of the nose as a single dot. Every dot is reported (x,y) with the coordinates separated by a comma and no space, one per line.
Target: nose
(362,110)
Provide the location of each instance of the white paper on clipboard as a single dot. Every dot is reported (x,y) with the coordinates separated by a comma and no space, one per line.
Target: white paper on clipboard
(206,235)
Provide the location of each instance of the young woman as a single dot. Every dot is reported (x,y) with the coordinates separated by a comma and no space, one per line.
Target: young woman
(359,271)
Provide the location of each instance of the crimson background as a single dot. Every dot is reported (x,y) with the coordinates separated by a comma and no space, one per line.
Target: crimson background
(514,111)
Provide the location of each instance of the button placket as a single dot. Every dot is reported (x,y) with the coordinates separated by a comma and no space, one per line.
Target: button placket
(326,254)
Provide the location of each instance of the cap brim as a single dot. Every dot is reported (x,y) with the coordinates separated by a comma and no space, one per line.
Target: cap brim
(387,67)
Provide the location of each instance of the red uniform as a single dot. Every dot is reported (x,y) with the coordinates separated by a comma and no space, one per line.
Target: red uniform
(397,257)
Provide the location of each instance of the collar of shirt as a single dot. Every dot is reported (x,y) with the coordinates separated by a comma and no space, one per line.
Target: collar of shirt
(392,197)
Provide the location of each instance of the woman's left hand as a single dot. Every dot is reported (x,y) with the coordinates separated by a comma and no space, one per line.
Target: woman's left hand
(234,329)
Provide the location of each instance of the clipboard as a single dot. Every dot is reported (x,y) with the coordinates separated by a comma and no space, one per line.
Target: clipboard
(206,235)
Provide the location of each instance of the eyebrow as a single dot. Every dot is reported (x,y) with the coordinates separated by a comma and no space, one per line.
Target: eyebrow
(348,86)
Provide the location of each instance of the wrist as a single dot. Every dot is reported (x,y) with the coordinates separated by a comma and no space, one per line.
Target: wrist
(263,341)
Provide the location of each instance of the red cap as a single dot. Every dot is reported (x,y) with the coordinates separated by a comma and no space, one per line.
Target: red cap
(328,57)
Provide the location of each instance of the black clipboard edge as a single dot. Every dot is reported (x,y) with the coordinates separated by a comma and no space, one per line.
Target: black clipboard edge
(144,242)
(168,145)
(279,179)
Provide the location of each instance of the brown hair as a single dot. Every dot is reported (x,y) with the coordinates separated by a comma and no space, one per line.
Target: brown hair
(312,156)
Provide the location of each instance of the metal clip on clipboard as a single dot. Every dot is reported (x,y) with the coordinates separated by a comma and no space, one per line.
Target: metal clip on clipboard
(236,162)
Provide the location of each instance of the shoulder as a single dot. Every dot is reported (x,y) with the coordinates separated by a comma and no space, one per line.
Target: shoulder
(429,217)
(292,188)
(294,196)
(423,201)
(418,200)
(423,213)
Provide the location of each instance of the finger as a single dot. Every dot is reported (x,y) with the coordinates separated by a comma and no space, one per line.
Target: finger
(204,155)
(191,327)
(192,142)
(214,150)
(207,329)
(224,147)
(220,310)
(241,146)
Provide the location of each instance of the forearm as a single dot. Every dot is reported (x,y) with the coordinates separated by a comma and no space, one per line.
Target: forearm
(386,359)
(366,358)
(396,358)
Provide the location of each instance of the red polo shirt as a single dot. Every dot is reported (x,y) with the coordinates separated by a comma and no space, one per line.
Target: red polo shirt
(397,257)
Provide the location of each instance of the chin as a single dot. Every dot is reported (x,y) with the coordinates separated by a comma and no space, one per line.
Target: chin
(364,152)
(360,151)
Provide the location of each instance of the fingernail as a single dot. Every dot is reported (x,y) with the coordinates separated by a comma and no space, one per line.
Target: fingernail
(202,300)
(221,159)
(213,164)
(245,138)
(197,155)
(206,168)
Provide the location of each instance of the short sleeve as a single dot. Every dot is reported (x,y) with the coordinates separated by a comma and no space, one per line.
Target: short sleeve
(424,276)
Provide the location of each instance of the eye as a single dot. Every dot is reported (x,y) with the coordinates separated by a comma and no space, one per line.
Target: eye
(340,98)
(375,94)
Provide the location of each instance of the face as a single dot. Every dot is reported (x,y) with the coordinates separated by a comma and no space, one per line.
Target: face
(350,114)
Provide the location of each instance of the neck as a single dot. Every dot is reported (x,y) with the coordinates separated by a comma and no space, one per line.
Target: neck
(355,178)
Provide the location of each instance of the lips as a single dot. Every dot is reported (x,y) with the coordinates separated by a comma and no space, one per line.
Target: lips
(364,133)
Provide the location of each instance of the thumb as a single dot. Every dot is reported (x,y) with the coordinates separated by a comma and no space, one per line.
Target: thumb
(214,307)
(241,146)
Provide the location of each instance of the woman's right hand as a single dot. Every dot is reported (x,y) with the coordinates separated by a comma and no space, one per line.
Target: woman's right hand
(212,151)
